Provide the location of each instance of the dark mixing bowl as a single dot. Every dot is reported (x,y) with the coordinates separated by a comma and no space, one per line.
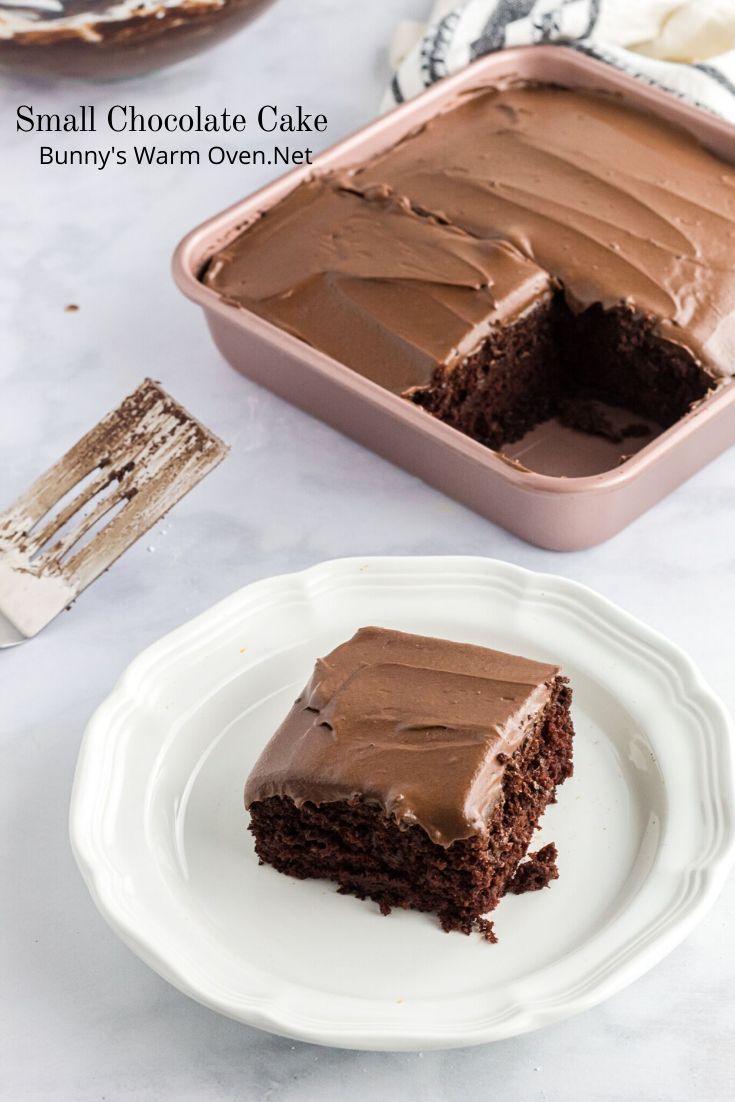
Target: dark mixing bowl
(101,39)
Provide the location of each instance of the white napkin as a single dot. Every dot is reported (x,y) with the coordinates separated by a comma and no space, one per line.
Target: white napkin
(685,46)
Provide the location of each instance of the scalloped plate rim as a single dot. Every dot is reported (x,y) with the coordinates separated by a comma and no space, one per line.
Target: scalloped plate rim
(272,1012)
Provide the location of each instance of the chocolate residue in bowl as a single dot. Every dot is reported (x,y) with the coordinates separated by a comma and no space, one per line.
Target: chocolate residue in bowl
(101,39)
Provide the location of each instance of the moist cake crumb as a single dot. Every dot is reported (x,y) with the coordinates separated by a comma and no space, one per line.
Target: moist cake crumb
(587,415)
(485,928)
(536,872)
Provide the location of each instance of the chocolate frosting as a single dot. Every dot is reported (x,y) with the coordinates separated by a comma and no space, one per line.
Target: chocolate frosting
(384,290)
(527,186)
(417,725)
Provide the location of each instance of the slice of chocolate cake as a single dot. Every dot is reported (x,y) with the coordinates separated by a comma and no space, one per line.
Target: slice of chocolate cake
(394,294)
(413,771)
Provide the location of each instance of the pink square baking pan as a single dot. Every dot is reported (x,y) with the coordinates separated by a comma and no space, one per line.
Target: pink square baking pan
(581,490)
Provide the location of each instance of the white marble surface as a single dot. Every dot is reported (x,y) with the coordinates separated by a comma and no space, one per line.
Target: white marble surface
(83,1019)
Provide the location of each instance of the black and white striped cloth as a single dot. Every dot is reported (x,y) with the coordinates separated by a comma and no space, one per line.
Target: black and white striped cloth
(686,47)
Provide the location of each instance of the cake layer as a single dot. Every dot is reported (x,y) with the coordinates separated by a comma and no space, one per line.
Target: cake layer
(383,290)
(422,728)
(617,205)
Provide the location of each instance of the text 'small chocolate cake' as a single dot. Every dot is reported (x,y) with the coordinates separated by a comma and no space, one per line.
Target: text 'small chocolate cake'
(530,251)
(414,771)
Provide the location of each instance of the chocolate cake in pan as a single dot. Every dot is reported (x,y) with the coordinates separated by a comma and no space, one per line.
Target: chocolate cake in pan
(414,771)
(529,251)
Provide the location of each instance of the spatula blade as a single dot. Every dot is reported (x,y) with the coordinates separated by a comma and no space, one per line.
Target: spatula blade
(154,452)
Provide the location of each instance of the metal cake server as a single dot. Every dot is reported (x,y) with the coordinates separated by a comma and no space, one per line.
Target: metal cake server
(137,462)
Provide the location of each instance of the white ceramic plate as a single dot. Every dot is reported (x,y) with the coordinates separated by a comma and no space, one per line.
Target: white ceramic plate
(644,828)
